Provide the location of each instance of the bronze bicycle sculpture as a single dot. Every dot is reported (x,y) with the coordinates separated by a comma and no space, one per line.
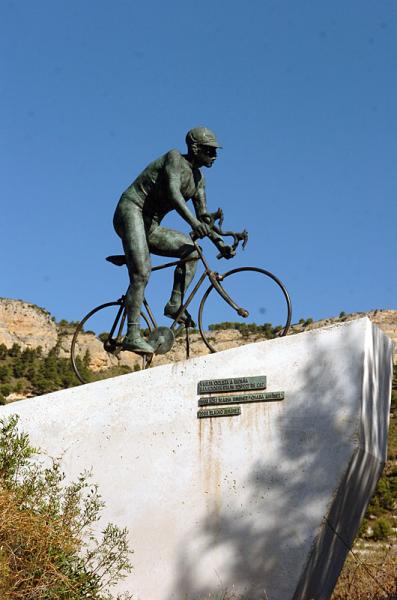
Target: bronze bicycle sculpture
(161,338)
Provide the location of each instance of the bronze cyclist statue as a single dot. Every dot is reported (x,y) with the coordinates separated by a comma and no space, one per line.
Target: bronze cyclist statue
(166,184)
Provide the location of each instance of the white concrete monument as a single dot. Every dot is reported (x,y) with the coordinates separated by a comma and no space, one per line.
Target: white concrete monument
(263,504)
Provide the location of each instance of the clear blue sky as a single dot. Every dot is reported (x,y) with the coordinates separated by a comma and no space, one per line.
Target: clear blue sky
(302,95)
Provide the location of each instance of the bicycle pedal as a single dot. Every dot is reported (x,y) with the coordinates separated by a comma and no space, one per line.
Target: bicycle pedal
(161,339)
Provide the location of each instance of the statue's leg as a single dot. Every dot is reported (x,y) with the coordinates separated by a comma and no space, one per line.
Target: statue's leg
(130,227)
(168,242)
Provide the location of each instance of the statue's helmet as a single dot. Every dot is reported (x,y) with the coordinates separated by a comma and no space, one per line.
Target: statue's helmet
(202,136)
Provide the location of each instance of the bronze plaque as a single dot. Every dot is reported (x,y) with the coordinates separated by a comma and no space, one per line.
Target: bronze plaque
(234,384)
(243,399)
(227,411)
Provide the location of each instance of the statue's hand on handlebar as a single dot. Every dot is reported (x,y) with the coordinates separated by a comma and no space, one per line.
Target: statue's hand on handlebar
(226,251)
(201,229)
(206,218)
(210,218)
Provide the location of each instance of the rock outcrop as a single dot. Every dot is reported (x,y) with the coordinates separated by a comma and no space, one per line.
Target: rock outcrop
(30,326)
(27,325)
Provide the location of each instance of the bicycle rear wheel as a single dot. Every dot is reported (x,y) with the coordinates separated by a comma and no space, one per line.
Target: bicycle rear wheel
(254,290)
(96,344)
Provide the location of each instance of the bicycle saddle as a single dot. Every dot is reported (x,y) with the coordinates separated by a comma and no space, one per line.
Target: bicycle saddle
(117,259)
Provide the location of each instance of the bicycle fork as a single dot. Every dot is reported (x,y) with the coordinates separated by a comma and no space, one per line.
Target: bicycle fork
(215,278)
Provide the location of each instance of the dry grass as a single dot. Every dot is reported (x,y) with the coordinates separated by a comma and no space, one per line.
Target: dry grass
(368,577)
(30,551)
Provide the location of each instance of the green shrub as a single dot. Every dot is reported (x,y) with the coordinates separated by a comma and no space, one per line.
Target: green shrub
(5,373)
(6,389)
(15,350)
(47,547)
(19,387)
(382,529)
(65,324)
(246,329)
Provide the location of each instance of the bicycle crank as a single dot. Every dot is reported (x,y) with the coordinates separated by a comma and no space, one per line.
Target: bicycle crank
(161,339)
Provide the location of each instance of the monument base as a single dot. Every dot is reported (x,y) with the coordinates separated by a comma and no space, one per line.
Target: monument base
(263,504)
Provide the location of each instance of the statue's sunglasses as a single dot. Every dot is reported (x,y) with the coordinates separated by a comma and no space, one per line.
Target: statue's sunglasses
(208,150)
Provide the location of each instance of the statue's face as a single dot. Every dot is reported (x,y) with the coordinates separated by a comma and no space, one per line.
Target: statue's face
(206,156)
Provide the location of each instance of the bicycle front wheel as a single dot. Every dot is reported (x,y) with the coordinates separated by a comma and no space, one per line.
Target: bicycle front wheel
(96,344)
(252,290)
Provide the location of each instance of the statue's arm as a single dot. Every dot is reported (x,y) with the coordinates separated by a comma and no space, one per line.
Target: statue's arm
(200,207)
(199,199)
(173,169)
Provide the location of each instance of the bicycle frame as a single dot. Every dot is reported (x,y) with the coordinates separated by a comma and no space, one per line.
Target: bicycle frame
(214,278)
(176,327)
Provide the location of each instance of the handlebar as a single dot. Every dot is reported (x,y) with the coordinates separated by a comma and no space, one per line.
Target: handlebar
(210,219)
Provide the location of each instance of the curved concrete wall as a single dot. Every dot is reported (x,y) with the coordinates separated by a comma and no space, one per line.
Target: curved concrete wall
(263,504)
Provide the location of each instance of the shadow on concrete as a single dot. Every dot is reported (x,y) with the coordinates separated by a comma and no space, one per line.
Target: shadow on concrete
(358,483)
(296,554)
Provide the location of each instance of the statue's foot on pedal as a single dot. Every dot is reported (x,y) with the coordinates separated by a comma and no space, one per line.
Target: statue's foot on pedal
(137,345)
(171,310)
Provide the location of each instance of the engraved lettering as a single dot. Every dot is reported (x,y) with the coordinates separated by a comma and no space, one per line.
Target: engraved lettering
(241,399)
(229,411)
(237,384)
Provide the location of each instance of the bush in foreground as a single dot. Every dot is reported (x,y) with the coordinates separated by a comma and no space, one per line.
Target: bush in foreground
(47,548)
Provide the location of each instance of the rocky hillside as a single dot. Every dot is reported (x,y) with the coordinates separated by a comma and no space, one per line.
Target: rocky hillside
(30,326)
(26,325)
